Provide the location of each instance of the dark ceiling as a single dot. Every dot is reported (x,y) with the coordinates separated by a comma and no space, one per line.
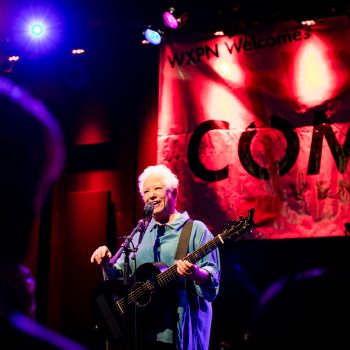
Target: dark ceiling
(96,24)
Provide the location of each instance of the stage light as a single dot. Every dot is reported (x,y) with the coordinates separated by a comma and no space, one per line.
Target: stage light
(37,30)
(153,36)
(308,22)
(13,58)
(169,19)
(78,51)
(7,63)
(219,33)
(172,21)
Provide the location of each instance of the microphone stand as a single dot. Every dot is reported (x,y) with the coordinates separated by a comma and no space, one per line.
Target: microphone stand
(141,228)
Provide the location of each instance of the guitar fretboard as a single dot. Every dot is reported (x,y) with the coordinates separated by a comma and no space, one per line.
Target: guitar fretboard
(170,274)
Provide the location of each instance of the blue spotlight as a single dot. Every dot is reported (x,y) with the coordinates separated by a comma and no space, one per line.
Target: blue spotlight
(37,30)
(152,36)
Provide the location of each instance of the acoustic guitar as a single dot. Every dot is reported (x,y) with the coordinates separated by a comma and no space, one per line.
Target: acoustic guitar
(114,307)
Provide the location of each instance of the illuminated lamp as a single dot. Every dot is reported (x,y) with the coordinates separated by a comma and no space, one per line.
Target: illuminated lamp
(173,22)
(37,30)
(169,19)
(153,36)
(308,22)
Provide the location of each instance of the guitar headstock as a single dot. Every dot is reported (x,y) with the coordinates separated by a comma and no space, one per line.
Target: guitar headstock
(238,227)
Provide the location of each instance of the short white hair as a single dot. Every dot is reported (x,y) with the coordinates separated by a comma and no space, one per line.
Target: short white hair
(170,179)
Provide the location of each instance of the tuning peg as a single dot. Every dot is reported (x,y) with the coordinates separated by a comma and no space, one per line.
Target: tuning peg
(229,224)
(251,214)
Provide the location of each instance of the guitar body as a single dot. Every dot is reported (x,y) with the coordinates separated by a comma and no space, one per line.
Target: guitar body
(124,314)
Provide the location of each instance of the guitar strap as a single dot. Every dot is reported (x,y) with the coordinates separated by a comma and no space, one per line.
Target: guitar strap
(185,234)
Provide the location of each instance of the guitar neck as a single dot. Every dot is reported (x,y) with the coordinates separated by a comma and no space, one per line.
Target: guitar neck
(171,274)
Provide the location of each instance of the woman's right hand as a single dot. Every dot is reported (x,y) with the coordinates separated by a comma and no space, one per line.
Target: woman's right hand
(100,254)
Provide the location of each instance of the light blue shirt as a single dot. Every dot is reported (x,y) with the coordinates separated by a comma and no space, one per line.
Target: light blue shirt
(194,307)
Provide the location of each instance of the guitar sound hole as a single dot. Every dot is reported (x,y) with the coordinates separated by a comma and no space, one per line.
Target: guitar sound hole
(144,299)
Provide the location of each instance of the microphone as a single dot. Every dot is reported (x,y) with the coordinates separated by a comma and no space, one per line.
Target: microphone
(147,216)
(147,212)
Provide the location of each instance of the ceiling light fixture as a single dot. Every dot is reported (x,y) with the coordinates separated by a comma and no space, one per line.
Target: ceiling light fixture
(154,37)
(171,21)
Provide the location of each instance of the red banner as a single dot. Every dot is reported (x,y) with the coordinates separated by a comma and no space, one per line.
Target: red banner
(261,120)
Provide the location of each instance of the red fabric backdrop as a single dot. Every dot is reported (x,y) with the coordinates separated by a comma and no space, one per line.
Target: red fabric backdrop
(261,119)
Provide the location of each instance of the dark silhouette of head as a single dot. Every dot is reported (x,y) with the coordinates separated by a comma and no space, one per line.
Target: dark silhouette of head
(31,158)
(309,310)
